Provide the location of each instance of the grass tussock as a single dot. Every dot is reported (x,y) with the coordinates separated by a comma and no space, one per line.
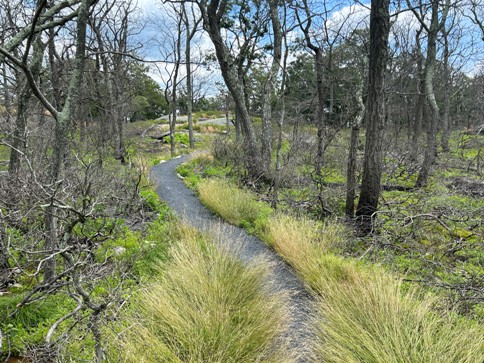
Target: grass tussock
(368,317)
(303,243)
(206,307)
(364,314)
(235,205)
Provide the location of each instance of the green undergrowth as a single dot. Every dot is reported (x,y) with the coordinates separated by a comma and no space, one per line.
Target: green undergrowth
(29,324)
(144,151)
(25,327)
(4,157)
(366,313)
(202,306)
(434,236)
(209,114)
(201,165)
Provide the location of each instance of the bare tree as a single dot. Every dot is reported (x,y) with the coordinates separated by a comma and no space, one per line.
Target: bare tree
(437,22)
(269,85)
(191,28)
(351,171)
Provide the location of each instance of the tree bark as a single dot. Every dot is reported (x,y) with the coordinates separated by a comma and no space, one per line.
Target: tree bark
(352,155)
(19,141)
(212,14)
(270,85)
(447,93)
(419,107)
(372,164)
(431,149)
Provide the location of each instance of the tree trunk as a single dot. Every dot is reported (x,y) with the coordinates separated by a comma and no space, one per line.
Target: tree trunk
(19,140)
(280,125)
(63,121)
(447,92)
(319,64)
(19,134)
(372,164)
(174,91)
(212,15)
(351,172)
(352,155)
(431,150)
(269,86)
(189,97)
(189,36)
(238,131)
(227,116)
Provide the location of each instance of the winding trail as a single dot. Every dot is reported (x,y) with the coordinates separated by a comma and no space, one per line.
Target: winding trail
(246,247)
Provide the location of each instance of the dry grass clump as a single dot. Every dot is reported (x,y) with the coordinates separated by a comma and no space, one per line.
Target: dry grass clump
(302,243)
(201,157)
(206,307)
(235,205)
(364,314)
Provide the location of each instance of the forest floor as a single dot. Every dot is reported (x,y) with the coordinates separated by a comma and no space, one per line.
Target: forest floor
(281,278)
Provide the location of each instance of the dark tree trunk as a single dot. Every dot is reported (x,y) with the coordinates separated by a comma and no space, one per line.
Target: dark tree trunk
(19,134)
(212,15)
(372,164)
(353,156)
(319,64)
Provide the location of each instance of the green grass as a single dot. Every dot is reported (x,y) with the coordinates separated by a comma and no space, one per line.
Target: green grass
(205,306)
(28,325)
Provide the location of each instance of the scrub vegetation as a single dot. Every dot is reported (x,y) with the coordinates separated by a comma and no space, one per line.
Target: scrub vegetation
(361,308)
(346,136)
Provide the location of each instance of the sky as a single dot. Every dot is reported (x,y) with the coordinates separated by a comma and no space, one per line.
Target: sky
(343,19)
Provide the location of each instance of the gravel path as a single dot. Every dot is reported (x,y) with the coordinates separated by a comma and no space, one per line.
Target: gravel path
(248,248)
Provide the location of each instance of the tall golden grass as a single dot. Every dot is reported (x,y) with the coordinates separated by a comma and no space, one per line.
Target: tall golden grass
(235,205)
(364,314)
(206,307)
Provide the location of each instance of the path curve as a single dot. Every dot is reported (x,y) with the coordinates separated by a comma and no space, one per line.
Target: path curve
(248,248)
